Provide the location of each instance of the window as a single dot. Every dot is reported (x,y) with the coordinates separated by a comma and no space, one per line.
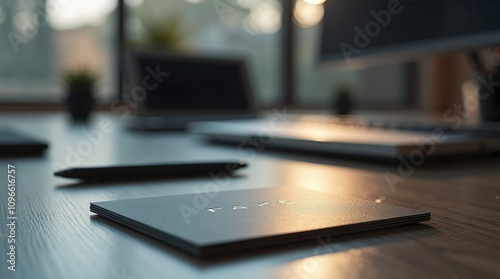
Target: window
(246,28)
(43,38)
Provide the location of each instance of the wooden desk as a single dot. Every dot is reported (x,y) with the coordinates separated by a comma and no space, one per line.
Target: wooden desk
(58,237)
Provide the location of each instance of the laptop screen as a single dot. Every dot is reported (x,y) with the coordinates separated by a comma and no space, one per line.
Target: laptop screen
(183,83)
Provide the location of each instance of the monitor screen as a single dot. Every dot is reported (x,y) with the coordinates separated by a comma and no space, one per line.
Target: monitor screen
(357,31)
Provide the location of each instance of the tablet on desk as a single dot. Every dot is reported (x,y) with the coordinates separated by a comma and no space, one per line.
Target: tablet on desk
(227,222)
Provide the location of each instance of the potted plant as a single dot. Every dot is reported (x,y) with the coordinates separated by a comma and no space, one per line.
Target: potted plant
(165,34)
(79,85)
(343,100)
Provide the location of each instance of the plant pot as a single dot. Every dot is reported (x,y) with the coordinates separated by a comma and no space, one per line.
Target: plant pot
(80,105)
(343,105)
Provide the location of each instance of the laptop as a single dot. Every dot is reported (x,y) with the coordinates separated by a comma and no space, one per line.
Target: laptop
(14,143)
(356,137)
(168,90)
(248,219)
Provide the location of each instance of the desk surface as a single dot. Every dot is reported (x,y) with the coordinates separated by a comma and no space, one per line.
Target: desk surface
(58,237)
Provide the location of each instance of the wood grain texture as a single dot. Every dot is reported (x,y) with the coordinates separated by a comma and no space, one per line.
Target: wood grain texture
(58,237)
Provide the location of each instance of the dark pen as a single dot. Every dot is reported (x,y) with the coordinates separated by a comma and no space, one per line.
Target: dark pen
(152,171)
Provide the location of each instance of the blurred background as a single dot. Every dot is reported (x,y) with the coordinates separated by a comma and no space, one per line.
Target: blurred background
(43,38)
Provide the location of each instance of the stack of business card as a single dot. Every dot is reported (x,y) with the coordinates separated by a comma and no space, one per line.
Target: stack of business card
(207,224)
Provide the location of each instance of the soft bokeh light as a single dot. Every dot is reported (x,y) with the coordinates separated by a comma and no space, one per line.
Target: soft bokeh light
(24,24)
(380,200)
(315,2)
(74,14)
(250,27)
(306,14)
(264,18)
(470,99)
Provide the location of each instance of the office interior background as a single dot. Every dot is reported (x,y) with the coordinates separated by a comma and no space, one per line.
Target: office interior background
(59,236)
(46,37)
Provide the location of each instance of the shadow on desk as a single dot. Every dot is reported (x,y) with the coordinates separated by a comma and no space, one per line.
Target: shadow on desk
(295,251)
(82,184)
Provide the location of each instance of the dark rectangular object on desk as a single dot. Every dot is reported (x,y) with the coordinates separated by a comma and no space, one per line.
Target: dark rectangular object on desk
(13,143)
(352,137)
(127,172)
(169,90)
(247,219)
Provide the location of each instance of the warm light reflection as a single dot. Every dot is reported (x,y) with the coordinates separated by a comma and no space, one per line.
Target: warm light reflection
(307,14)
(322,135)
(74,14)
(329,261)
(380,200)
(320,178)
(309,267)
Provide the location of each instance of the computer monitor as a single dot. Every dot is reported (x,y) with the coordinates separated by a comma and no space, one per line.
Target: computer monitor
(359,32)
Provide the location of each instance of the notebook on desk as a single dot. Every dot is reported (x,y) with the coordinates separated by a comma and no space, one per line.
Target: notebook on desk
(248,219)
(415,142)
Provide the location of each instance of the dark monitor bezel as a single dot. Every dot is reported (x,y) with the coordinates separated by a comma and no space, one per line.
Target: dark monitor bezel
(405,52)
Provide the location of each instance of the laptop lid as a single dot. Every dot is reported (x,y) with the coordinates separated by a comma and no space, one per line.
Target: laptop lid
(347,141)
(181,85)
(13,143)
